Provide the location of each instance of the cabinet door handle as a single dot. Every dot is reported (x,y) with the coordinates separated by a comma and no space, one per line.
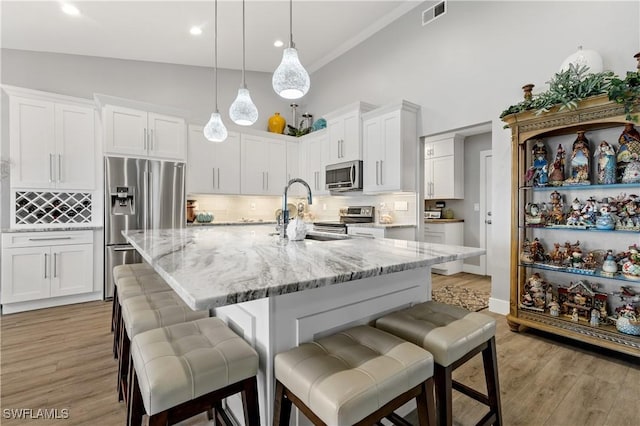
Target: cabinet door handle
(144,141)
(151,140)
(213,177)
(263,181)
(340,148)
(49,238)
(377,178)
(267,173)
(59,167)
(124,249)
(381,180)
(55,265)
(50,168)
(218,177)
(45,265)
(363,234)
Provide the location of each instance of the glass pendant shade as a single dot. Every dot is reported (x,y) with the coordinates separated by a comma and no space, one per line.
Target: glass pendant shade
(242,111)
(290,79)
(215,131)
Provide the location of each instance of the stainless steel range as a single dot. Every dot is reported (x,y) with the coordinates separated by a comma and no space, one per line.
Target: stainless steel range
(353,214)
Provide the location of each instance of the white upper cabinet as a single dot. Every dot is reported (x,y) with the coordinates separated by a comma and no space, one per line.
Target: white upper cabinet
(52,141)
(444,168)
(316,147)
(213,167)
(139,133)
(264,165)
(390,146)
(344,128)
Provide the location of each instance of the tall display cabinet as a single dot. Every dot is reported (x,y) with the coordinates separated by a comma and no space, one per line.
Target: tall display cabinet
(566,250)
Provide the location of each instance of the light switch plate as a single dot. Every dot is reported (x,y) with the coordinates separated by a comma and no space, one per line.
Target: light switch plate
(400,206)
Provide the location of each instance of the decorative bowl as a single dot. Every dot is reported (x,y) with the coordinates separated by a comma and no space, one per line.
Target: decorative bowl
(204,217)
(625,325)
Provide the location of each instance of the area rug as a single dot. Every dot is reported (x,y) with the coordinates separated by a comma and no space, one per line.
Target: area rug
(472,300)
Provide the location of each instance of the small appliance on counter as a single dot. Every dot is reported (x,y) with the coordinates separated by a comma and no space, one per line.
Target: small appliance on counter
(435,211)
(353,214)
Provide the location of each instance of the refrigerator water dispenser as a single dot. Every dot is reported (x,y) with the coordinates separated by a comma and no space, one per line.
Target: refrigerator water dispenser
(123,200)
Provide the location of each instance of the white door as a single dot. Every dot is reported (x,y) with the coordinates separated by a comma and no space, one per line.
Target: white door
(485,211)
(26,274)
(443,183)
(166,136)
(32,143)
(125,131)
(71,269)
(391,150)
(75,147)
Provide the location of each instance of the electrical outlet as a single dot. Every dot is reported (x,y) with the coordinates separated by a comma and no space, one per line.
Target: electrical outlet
(401,206)
(476,207)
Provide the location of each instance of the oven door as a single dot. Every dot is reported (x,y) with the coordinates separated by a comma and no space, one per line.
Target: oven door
(344,176)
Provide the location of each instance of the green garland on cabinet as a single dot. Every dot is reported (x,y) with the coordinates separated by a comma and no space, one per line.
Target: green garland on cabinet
(574,84)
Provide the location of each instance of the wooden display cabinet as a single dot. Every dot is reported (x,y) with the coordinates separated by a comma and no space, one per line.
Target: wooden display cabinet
(601,119)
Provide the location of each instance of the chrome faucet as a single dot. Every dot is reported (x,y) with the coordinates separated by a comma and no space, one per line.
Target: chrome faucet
(285,211)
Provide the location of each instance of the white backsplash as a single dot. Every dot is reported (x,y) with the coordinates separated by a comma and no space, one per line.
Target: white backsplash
(242,207)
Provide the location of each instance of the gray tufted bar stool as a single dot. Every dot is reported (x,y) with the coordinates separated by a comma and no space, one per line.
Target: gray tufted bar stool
(355,377)
(121,271)
(453,335)
(131,286)
(143,313)
(186,369)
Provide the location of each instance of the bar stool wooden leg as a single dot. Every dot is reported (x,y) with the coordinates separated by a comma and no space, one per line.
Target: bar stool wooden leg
(490,361)
(443,390)
(250,402)
(136,408)
(282,407)
(426,403)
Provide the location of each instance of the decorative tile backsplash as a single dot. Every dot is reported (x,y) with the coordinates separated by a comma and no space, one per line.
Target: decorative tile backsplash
(34,207)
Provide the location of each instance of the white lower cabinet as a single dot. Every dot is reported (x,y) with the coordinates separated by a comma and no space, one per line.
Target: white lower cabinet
(396,233)
(445,233)
(39,266)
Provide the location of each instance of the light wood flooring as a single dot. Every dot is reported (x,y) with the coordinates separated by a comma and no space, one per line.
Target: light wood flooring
(61,358)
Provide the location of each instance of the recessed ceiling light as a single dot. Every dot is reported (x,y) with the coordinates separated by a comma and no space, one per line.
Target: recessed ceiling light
(195,30)
(278,43)
(70,9)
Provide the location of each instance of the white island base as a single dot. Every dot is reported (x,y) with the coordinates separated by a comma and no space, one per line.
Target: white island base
(278,323)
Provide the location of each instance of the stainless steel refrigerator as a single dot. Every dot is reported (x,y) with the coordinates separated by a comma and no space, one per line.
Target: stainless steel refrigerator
(139,194)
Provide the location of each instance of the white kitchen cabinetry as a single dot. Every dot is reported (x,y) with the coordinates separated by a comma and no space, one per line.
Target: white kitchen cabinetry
(444,168)
(213,168)
(138,133)
(264,165)
(316,151)
(445,233)
(295,166)
(396,233)
(345,136)
(39,269)
(390,139)
(52,141)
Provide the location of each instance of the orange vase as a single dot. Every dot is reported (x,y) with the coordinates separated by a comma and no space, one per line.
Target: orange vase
(276,123)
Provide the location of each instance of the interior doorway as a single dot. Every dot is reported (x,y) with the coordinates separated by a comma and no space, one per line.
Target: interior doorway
(485,211)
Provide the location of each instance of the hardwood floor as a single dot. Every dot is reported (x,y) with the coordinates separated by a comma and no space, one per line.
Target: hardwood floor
(60,358)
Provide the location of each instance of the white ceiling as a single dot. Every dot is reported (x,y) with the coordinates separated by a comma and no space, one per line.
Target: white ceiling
(159,30)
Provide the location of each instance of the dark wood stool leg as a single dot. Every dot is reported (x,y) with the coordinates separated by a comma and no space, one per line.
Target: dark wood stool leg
(490,361)
(113,309)
(444,397)
(159,419)
(426,405)
(136,410)
(250,402)
(123,362)
(281,407)
(116,327)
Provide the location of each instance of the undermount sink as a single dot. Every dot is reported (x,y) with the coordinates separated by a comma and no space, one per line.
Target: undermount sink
(325,237)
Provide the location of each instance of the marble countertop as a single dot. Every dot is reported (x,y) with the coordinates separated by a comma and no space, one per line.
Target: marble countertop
(231,223)
(443,220)
(216,266)
(52,229)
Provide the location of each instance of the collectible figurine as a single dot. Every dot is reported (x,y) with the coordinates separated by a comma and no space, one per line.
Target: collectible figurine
(595,318)
(574,315)
(556,170)
(629,150)
(554,308)
(537,173)
(580,161)
(606,158)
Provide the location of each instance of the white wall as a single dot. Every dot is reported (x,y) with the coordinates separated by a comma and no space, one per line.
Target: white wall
(468,65)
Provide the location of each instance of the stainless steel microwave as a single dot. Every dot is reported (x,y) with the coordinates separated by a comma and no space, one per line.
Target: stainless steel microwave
(343,177)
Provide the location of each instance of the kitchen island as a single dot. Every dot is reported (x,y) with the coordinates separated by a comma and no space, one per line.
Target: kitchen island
(280,293)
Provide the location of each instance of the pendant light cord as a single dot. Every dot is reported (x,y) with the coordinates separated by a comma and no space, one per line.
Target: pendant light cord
(215,53)
(291,44)
(244,83)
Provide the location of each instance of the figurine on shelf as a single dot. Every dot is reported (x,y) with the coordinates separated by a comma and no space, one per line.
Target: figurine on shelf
(533,215)
(525,254)
(606,158)
(629,150)
(537,251)
(554,308)
(589,212)
(609,266)
(537,173)
(556,215)
(535,292)
(605,221)
(574,218)
(574,315)
(556,170)
(580,161)
(595,318)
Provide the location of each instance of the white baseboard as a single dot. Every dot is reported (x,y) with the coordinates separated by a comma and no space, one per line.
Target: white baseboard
(12,308)
(498,306)
(472,269)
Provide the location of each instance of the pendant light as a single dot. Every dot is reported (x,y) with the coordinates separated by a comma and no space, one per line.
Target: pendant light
(242,111)
(290,79)
(215,131)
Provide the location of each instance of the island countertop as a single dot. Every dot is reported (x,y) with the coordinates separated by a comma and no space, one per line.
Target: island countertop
(211,267)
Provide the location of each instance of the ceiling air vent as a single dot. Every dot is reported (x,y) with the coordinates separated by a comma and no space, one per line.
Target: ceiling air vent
(433,12)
